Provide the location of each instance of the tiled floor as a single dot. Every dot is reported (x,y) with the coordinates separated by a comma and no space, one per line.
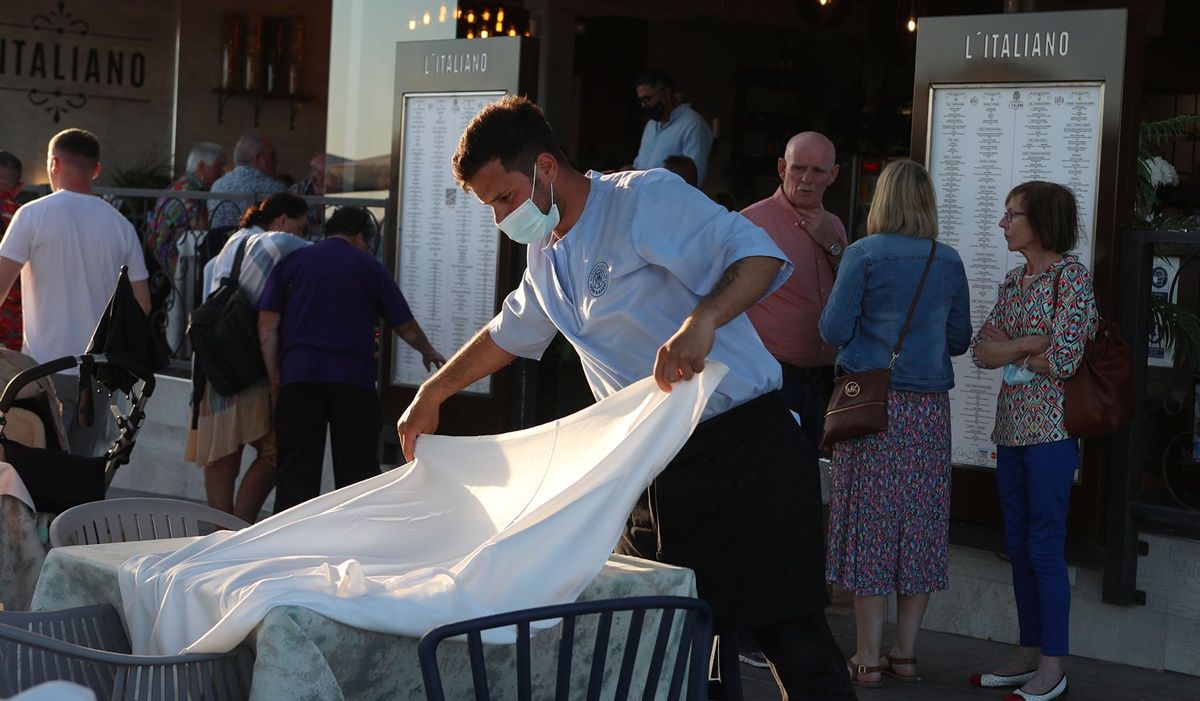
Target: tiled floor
(948,660)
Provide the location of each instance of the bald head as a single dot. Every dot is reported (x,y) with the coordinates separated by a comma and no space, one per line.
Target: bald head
(807,169)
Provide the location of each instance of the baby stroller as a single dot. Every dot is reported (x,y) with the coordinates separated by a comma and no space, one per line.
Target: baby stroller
(56,479)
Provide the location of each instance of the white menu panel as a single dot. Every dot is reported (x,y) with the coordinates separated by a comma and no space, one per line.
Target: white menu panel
(983,141)
(448,248)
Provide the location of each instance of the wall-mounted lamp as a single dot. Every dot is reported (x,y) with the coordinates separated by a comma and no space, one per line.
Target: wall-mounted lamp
(412,22)
(425,17)
(824,3)
(912,24)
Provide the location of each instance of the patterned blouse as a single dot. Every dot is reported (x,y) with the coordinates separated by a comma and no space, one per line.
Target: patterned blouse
(1032,413)
(171,216)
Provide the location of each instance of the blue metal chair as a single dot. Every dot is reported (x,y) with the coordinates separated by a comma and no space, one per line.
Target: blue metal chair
(680,645)
(29,658)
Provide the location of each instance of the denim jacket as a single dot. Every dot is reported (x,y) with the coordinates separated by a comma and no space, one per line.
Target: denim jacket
(870,300)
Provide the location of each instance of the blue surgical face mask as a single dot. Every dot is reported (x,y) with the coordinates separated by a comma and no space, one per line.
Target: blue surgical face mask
(1018,374)
(527,223)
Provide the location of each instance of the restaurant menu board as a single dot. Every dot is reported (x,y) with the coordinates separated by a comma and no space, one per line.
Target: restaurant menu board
(448,247)
(983,141)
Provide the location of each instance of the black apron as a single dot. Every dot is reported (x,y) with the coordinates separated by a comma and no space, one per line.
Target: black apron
(741,506)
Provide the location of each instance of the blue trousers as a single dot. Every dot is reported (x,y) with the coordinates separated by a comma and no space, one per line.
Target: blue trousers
(1035,489)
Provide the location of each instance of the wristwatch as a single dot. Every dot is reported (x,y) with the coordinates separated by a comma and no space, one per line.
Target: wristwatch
(836,249)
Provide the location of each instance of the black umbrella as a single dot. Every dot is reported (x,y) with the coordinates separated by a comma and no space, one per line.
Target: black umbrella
(126,336)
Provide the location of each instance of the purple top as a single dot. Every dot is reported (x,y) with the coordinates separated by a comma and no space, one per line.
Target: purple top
(331,295)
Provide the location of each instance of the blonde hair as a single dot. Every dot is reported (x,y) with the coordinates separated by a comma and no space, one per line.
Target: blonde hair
(904,202)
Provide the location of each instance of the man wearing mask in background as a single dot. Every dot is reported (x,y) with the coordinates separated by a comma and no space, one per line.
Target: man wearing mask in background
(674,128)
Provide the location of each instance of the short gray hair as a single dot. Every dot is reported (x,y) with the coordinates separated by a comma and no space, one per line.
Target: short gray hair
(204,152)
(247,148)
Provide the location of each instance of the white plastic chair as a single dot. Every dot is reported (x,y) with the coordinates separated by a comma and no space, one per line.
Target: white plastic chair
(137,518)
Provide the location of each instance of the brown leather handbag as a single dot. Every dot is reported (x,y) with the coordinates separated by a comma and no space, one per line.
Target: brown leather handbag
(858,406)
(1098,398)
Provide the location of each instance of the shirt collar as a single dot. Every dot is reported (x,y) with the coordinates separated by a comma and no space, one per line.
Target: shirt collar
(1014,276)
(783,202)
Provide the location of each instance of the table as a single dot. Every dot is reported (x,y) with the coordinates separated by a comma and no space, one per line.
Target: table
(21,553)
(304,655)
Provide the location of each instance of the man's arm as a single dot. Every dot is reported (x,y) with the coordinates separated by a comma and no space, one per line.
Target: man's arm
(743,283)
(141,292)
(414,335)
(479,358)
(268,342)
(9,270)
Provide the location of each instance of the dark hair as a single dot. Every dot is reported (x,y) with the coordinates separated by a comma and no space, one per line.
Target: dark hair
(348,221)
(1052,211)
(512,129)
(10,161)
(272,208)
(654,78)
(80,143)
(684,167)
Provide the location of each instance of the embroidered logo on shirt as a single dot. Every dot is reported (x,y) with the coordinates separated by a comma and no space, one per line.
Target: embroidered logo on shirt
(597,280)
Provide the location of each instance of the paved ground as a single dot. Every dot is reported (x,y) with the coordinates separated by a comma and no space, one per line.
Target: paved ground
(947,661)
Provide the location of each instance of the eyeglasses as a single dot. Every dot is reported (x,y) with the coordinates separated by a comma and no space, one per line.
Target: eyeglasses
(645,99)
(1009,214)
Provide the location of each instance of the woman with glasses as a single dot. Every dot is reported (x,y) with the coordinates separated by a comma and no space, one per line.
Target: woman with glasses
(1044,316)
(889,496)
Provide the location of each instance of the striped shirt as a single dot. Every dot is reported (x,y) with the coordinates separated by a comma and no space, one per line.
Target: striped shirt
(263,252)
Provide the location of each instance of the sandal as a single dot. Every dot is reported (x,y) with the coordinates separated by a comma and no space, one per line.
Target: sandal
(887,666)
(858,670)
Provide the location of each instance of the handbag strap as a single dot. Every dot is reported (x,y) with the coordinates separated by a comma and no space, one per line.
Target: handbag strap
(236,272)
(913,307)
(1058,279)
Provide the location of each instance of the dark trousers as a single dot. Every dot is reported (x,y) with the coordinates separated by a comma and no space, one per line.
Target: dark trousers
(806,391)
(353,415)
(805,660)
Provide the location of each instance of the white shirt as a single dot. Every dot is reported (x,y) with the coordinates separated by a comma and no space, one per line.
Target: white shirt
(72,247)
(645,250)
(685,134)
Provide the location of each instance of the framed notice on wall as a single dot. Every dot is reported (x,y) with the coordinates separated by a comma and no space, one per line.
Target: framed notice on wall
(446,259)
(983,140)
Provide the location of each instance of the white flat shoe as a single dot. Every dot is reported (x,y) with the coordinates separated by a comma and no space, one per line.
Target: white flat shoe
(994,681)
(1060,689)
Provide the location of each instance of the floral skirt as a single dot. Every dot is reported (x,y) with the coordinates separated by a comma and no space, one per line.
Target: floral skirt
(889,501)
(228,423)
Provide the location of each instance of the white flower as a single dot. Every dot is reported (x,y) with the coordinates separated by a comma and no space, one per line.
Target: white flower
(1162,172)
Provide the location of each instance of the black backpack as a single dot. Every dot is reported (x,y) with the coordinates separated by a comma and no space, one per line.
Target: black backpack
(224,335)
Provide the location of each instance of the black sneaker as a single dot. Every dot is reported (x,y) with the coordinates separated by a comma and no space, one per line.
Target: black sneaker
(754,659)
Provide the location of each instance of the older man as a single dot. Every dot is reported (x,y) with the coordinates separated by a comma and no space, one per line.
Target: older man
(254,163)
(673,128)
(205,164)
(68,248)
(813,240)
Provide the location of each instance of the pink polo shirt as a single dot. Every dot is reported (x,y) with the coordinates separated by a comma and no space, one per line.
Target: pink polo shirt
(787,320)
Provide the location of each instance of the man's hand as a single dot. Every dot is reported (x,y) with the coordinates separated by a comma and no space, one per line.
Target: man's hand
(682,356)
(819,225)
(420,417)
(433,360)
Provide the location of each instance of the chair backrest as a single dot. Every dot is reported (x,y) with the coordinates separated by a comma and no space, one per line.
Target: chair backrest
(98,626)
(645,647)
(137,518)
(28,659)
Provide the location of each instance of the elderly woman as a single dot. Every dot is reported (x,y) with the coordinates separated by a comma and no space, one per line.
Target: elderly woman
(1042,321)
(890,492)
(225,425)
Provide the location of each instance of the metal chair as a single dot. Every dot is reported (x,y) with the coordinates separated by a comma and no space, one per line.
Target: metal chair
(681,644)
(28,659)
(137,518)
(97,627)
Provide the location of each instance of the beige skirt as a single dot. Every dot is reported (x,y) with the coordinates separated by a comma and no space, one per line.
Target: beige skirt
(227,423)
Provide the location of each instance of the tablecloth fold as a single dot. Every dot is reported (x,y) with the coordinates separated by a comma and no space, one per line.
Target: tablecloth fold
(472,526)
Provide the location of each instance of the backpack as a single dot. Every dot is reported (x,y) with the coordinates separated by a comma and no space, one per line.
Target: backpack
(224,335)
